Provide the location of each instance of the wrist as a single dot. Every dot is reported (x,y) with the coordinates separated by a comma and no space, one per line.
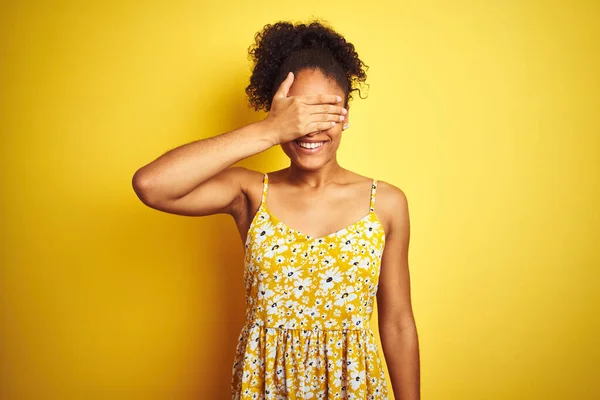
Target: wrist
(268,132)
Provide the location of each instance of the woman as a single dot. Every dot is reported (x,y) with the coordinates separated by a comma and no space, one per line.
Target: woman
(317,249)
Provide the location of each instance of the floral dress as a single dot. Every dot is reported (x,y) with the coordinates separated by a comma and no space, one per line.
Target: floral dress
(309,302)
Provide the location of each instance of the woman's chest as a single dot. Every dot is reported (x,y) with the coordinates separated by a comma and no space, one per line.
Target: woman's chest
(271,242)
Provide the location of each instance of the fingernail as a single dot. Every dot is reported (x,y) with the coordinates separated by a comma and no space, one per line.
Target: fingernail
(332,123)
(344,111)
(342,117)
(339,99)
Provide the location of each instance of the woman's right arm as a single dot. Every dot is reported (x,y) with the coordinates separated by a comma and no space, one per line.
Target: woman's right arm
(194,179)
(197,179)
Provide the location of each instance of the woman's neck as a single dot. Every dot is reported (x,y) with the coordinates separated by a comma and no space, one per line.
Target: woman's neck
(329,173)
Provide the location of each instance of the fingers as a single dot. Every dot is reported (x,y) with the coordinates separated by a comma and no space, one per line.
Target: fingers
(326,109)
(285,86)
(319,126)
(326,118)
(326,112)
(321,99)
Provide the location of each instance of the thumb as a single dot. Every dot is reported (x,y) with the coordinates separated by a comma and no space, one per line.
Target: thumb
(285,86)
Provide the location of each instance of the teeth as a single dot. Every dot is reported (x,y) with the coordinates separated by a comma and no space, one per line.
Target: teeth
(308,145)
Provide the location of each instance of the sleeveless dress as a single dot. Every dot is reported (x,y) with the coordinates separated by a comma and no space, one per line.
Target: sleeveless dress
(309,302)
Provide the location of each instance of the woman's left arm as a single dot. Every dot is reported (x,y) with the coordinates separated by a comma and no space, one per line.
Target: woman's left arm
(397,326)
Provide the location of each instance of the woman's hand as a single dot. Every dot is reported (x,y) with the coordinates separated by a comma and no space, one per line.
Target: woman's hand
(296,116)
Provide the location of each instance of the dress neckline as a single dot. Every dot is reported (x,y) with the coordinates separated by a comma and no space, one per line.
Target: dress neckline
(277,221)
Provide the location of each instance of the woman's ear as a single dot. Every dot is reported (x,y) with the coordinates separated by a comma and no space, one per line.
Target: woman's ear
(346,124)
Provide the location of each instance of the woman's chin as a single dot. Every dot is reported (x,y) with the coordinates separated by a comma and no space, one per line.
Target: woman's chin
(309,163)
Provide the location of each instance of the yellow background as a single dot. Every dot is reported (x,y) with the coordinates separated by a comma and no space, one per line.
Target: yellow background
(486,113)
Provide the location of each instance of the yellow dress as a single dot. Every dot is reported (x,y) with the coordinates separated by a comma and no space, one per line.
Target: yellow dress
(309,302)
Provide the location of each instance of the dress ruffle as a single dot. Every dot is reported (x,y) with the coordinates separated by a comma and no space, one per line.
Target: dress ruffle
(280,363)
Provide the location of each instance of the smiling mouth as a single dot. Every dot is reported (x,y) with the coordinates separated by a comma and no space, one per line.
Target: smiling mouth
(309,145)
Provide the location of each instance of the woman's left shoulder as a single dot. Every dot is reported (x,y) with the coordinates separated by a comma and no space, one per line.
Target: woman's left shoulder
(391,204)
(390,196)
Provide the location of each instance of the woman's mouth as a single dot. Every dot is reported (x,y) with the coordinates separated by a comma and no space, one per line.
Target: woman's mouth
(308,147)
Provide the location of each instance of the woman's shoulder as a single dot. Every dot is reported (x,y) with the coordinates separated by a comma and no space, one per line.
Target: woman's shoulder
(246,175)
(391,205)
(390,194)
(250,181)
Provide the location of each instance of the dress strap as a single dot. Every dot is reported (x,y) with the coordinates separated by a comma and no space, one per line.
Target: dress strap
(265,188)
(373,192)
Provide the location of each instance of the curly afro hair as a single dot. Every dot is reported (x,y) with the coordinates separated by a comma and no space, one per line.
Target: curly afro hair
(284,47)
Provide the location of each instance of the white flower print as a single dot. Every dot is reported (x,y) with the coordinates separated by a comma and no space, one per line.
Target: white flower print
(360,262)
(277,248)
(313,312)
(328,261)
(290,323)
(357,379)
(264,291)
(290,272)
(308,393)
(357,321)
(276,277)
(351,361)
(289,306)
(264,231)
(301,285)
(330,277)
(254,340)
(348,245)
(309,300)
(274,303)
(347,296)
